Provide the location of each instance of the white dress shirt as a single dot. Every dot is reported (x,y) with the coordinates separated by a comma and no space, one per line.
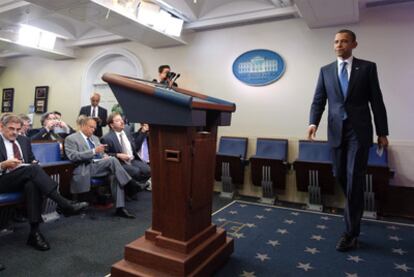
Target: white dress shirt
(9,148)
(348,65)
(125,142)
(96,111)
(86,141)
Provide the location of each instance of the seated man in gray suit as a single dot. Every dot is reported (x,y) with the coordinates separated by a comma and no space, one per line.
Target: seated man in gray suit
(122,146)
(85,150)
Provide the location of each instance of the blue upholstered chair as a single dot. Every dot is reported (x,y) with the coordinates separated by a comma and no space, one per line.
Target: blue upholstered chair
(233,146)
(377,183)
(230,163)
(376,160)
(50,159)
(314,171)
(314,152)
(269,166)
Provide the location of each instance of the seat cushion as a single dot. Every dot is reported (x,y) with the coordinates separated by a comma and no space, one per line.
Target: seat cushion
(10,197)
(233,146)
(376,160)
(47,152)
(272,149)
(316,151)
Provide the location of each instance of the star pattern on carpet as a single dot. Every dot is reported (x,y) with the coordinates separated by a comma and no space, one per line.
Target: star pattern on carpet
(282,231)
(247,274)
(273,242)
(262,257)
(396,238)
(313,251)
(322,227)
(242,205)
(356,259)
(238,235)
(402,267)
(233,212)
(398,251)
(392,227)
(317,237)
(299,240)
(305,267)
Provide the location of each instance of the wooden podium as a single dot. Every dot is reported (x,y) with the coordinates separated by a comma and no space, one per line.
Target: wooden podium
(183,136)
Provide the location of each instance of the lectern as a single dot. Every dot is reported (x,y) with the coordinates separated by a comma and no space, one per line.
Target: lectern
(183,133)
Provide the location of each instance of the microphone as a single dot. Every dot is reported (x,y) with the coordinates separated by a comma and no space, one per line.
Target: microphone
(176,77)
(171,75)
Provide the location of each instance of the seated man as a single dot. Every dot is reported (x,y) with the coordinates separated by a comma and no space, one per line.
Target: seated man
(85,150)
(64,126)
(52,128)
(121,145)
(142,147)
(27,125)
(19,172)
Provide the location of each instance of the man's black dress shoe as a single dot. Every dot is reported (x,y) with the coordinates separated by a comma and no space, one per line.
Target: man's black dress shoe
(122,212)
(2,267)
(346,243)
(73,209)
(38,241)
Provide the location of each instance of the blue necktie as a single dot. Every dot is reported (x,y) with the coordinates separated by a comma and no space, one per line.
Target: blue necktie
(343,79)
(92,146)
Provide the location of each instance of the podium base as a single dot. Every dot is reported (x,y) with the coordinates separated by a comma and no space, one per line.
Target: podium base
(144,257)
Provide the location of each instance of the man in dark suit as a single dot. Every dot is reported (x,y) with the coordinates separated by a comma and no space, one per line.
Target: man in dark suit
(98,113)
(350,86)
(19,172)
(53,128)
(122,146)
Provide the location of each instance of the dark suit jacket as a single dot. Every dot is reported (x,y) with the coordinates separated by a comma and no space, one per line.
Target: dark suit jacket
(43,134)
(102,114)
(363,91)
(139,138)
(25,146)
(115,147)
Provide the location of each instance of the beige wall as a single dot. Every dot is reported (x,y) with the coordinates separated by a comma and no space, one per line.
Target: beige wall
(278,110)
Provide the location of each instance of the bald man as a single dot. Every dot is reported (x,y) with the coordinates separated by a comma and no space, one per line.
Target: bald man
(96,112)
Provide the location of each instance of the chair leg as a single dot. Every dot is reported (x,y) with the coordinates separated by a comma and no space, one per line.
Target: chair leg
(370,210)
(227,184)
(268,194)
(314,190)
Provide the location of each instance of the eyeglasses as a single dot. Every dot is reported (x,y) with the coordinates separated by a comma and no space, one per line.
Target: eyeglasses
(12,129)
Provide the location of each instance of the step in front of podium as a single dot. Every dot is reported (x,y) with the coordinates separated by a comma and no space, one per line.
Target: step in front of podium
(144,258)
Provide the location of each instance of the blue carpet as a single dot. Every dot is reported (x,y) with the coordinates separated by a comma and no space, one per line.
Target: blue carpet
(272,241)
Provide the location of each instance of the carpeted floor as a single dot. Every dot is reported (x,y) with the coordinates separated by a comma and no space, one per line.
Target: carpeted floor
(272,241)
(80,246)
(269,241)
